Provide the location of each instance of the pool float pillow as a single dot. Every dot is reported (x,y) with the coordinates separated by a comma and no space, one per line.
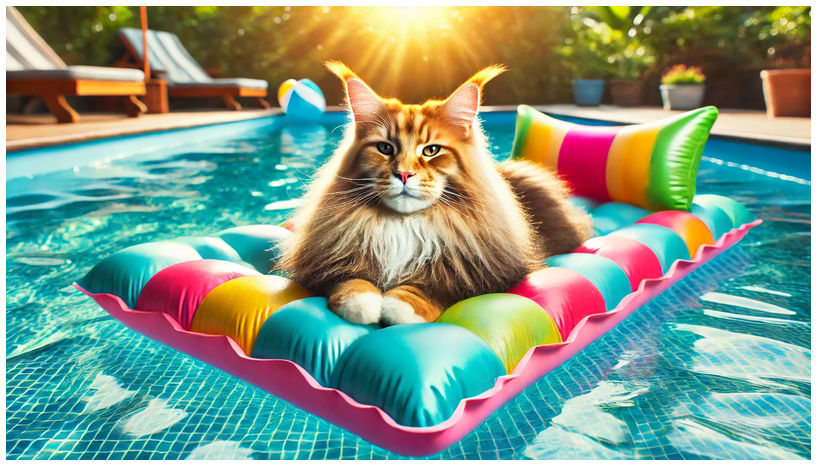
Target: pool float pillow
(652,165)
(301,100)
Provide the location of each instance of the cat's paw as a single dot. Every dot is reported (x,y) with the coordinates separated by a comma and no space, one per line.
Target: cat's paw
(397,312)
(360,308)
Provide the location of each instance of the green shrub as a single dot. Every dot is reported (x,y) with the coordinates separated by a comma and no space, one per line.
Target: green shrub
(680,74)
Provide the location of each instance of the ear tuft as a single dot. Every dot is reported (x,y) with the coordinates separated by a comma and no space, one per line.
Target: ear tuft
(486,74)
(339,69)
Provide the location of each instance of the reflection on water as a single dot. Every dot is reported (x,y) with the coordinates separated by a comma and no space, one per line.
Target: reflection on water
(154,418)
(719,366)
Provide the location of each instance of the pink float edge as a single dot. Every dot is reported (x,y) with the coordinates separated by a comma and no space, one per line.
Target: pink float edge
(288,381)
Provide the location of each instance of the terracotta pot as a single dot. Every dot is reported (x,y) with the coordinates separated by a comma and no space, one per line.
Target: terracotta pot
(682,96)
(626,92)
(787,92)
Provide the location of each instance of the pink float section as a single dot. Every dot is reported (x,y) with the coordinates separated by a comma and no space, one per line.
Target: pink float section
(288,381)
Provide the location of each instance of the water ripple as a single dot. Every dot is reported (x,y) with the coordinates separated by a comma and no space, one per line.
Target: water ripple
(221,450)
(107,392)
(154,418)
(747,303)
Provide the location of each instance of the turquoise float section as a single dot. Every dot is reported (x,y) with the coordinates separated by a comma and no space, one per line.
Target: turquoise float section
(209,247)
(256,244)
(611,216)
(308,333)
(736,211)
(586,203)
(718,221)
(605,274)
(126,272)
(417,373)
(667,245)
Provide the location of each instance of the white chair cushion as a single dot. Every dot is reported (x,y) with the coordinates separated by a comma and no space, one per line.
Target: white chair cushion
(94,73)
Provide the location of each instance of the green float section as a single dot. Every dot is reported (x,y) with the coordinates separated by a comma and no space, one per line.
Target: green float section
(667,245)
(604,273)
(510,324)
(256,244)
(611,216)
(417,373)
(739,214)
(307,333)
(125,273)
(523,122)
(675,159)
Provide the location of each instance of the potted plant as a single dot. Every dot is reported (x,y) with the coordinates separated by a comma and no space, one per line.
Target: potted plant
(682,88)
(627,87)
(589,70)
(787,92)
(586,55)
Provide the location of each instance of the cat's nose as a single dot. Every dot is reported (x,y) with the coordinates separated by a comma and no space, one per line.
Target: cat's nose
(404,176)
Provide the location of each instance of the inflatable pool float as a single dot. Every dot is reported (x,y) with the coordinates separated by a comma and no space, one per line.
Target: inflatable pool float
(301,100)
(414,389)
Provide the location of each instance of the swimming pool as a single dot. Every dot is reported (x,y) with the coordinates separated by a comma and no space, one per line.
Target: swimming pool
(716,367)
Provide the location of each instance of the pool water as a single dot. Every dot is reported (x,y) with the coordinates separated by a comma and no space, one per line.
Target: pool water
(718,366)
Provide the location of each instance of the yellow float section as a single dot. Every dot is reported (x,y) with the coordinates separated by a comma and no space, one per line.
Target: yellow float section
(548,133)
(628,163)
(239,307)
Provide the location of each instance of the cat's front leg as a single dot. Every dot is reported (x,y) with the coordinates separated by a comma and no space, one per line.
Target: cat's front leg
(409,305)
(356,301)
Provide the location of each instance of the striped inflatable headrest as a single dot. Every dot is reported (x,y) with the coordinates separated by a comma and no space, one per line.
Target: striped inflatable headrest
(652,165)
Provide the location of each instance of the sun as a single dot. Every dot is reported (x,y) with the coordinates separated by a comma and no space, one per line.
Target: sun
(412,19)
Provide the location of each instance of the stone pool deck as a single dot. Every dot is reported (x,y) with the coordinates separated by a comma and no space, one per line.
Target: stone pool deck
(40,130)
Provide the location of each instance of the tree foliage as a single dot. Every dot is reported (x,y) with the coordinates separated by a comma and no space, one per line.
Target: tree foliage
(423,52)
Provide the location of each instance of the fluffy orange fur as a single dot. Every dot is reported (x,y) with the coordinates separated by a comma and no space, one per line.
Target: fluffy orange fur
(410,215)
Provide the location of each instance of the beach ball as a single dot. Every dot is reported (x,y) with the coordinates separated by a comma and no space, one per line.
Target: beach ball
(301,100)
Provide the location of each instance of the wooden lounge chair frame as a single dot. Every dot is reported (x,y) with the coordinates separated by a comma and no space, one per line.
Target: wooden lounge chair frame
(53,92)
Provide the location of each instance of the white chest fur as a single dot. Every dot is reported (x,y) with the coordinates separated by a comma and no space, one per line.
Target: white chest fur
(401,245)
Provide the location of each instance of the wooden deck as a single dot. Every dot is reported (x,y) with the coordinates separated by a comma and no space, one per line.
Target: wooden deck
(31,131)
(40,130)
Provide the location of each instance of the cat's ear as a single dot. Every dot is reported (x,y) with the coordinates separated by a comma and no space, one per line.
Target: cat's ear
(365,104)
(461,108)
(363,101)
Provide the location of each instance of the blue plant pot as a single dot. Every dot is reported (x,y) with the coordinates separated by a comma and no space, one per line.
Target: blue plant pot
(588,92)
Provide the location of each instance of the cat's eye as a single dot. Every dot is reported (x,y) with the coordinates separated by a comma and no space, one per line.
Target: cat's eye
(431,150)
(385,148)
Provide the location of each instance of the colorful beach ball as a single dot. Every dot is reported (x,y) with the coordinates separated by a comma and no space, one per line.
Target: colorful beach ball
(301,100)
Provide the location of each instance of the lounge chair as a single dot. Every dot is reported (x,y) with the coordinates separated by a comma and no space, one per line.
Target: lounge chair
(33,68)
(185,77)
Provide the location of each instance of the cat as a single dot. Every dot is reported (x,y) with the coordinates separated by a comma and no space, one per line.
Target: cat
(411,214)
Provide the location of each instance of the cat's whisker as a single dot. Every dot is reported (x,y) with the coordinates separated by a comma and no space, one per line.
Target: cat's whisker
(469,207)
(464,198)
(354,199)
(350,190)
(360,202)
(463,213)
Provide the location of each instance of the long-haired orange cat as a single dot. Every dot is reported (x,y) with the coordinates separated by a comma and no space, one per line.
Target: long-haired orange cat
(411,215)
